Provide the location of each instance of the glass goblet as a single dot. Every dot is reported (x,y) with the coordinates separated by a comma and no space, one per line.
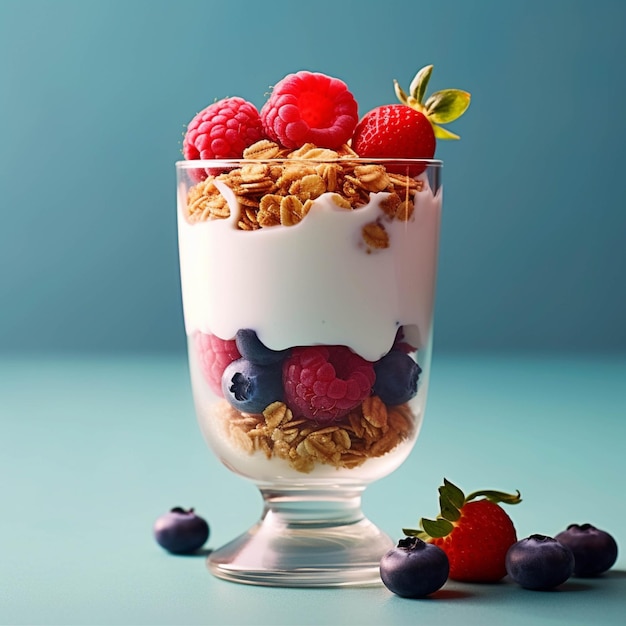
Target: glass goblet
(308,288)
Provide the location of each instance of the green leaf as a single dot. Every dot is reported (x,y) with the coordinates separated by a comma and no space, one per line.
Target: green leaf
(400,93)
(496,496)
(442,133)
(418,85)
(447,105)
(448,510)
(451,499)
(437,528)
(416,532)
(453,493)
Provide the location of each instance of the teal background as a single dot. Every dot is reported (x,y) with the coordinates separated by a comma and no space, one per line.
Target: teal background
(94,97)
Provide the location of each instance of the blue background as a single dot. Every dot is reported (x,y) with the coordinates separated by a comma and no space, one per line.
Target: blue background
(94,97)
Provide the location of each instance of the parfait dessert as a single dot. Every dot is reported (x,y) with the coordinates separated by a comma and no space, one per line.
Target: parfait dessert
(308,248)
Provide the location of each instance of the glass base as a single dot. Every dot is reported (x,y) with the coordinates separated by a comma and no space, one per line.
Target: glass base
(305,539)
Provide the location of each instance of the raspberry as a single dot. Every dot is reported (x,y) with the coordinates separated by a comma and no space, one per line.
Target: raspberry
(223,130)
(215,356)
(324,383)
(309,107)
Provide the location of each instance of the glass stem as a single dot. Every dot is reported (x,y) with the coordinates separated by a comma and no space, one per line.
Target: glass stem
(321,508)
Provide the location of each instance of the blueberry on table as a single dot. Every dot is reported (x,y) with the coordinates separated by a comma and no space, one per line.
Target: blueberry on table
(414,568)
(539,562)
(595,551)
(181,531)
(251,388)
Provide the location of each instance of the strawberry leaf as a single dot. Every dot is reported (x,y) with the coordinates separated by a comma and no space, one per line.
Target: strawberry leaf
(400,93)
(454,494)
(447,105)
(437,528)
(416,532)
(442,133)
(496,496)
(448,510)
(418,85)
(451,499)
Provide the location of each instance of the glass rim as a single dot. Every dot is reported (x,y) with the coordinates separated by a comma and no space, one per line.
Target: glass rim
(225,163)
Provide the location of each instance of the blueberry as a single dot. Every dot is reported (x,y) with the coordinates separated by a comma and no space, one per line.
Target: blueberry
(414,569)
(539,562)
(595,551)
(249,387)
(181,531)
(397,375)
(253,349)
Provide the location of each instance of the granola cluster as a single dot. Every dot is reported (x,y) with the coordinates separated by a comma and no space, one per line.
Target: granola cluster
(371,430)
(278,187)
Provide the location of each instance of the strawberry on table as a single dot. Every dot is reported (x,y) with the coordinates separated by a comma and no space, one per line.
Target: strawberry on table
(475,533)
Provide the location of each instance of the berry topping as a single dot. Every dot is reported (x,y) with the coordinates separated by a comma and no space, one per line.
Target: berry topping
(401,342)
(181,531)
(475,534)
(595,551)
(309,107)
(324,383)
(215,354)
(414,569)
(539,562)
(397,375)
(253,349)
(249,387)
(223,130)
(408,130)
(394,130)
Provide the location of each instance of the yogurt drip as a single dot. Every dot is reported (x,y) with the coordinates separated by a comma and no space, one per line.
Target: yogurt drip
(315,282)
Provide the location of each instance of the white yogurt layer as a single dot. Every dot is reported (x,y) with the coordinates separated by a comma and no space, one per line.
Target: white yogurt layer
(315,282)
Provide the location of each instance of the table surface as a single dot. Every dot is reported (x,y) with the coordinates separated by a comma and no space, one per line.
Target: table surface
(94,449)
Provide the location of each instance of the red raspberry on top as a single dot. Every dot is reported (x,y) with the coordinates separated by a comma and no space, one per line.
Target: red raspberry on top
(223,130)
(324,383)
(215,355)
(309,107)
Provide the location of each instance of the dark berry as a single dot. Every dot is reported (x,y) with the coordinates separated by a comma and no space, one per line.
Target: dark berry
(539,562)
(595,551)
(397,375)
(400,342)
(249,387)
(414,569)
(181,531)
(253,349)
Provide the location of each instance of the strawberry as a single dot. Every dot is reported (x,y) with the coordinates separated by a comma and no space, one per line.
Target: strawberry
(475,534)
(409,130)
(394,130)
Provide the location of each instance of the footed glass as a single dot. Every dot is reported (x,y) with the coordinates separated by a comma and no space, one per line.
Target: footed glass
(308,288)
